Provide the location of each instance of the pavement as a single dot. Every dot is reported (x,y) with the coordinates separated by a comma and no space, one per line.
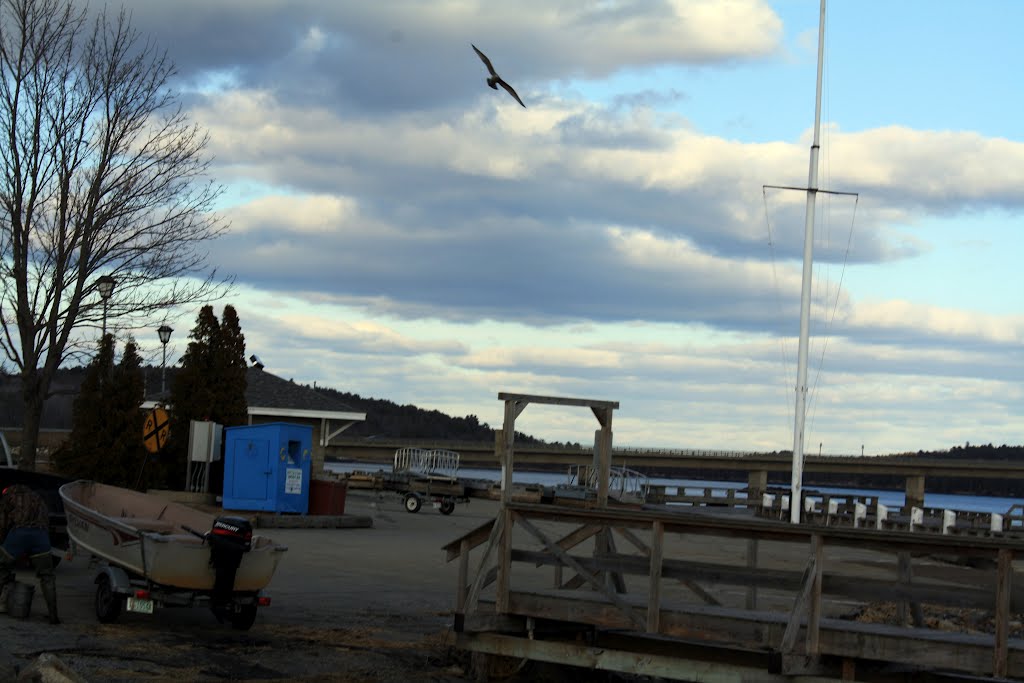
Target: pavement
(368,597)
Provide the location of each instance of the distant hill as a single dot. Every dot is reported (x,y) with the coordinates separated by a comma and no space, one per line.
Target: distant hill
(388,419)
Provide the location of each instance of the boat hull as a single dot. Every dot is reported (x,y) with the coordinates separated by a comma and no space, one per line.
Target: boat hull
(155,539)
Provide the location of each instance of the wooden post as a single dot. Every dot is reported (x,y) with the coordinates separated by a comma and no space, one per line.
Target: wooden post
(654,589)
(814,617)
(508,432)
(504,562)
(603,448)
(1004,576)
(752,564)
(902,607)
(463,589)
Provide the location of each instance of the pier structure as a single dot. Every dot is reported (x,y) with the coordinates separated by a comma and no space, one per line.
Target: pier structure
(732,593)
(754,467)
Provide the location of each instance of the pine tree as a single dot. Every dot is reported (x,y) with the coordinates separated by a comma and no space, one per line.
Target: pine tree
(230,360)
(129,392)
(210,385)
(106,434)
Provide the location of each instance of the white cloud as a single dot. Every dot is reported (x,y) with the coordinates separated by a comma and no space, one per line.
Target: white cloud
(309,214)
(425,239)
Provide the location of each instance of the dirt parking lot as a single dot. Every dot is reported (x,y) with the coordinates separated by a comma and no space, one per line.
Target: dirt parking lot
(362,604)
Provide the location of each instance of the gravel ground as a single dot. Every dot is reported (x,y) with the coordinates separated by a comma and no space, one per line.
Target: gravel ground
(364,604)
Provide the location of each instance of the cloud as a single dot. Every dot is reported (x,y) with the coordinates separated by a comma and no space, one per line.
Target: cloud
(409,55)
(392,217)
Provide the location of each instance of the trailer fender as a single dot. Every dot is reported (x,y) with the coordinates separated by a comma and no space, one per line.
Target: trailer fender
(118,578)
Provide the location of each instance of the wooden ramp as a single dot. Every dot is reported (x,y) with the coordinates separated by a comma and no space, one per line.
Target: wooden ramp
(732,593)
(673,593)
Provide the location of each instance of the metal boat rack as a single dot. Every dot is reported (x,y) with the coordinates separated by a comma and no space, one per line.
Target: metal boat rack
(429,474)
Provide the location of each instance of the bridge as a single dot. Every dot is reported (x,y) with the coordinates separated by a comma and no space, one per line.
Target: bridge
(914,470)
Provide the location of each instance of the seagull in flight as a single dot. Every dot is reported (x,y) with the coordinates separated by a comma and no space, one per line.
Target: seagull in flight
(495,80)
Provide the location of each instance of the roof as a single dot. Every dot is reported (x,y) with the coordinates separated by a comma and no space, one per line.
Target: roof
(266,395)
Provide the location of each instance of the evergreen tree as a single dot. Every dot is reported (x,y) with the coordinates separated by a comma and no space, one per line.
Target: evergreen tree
(230,360)
(210,386)
(106,434)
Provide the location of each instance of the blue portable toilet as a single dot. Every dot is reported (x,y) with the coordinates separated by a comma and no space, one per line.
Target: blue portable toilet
(266,467)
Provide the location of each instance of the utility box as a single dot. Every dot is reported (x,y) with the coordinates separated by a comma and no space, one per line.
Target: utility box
(267,467)
(204,448)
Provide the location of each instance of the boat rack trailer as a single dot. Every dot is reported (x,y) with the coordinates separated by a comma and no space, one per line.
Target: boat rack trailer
(432,475)
(118,589)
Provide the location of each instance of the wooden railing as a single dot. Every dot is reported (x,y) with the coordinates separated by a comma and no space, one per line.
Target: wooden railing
(799,596)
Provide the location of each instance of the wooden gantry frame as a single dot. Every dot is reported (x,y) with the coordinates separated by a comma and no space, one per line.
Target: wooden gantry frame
(705,594)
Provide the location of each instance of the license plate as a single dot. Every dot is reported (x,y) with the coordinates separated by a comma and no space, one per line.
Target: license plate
(141,605)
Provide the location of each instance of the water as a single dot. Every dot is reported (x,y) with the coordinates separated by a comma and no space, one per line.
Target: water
(891,499)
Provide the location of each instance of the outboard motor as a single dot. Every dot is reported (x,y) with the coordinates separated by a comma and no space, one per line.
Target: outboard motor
(230,538)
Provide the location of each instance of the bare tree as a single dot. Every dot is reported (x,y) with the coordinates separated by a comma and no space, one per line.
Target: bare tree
(101,173)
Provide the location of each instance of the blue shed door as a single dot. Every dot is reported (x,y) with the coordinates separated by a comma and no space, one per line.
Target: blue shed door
(251,472)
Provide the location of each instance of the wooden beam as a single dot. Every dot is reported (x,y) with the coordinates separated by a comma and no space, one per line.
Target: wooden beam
(603,461)
(474,538)
(634,540)
(614,579)
(701,522)
(697,589)
(574,538)
(814,616)
(592,579)
(738,629)
(624,661)
(603,415)
(504,560)
(463,589)
(796,615)
(557,400)
(654,584)
(752,546)
(867,589)
(1004,572)
(481,575)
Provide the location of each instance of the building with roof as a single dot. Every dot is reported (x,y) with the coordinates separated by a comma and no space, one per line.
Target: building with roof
(269,398)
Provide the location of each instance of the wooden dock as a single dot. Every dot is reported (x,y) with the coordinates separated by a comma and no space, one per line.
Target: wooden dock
(733,593)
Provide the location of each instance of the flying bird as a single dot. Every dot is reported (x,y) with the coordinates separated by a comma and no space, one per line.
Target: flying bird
(495,80)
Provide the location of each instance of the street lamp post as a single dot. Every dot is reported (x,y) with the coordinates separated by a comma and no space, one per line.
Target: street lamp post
(106,286)
(165,336)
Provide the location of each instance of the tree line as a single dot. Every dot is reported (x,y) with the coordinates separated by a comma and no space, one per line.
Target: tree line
(106,444)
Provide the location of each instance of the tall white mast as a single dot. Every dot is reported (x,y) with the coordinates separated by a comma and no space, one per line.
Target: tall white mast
(795,497)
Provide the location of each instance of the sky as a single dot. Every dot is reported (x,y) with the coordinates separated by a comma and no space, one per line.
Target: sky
(401,231)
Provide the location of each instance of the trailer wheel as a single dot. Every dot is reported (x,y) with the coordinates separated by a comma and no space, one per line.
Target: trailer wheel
(108,603)
(244,618)
(412,502)
(447,505)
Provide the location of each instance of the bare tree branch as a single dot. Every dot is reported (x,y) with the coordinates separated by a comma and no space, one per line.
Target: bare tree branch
(101,173)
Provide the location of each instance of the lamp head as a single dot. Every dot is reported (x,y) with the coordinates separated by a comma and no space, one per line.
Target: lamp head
(105,284)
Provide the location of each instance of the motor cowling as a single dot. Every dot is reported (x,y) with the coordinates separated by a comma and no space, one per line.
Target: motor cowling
(231,533)
(229,539)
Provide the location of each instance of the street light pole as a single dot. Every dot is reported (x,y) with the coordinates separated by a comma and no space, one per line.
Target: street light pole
(165,336)
(106,286)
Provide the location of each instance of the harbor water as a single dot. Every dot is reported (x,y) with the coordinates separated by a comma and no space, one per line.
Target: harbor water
(890,498)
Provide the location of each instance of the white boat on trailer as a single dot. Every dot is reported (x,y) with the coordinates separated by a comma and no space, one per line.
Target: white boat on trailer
(159,553)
